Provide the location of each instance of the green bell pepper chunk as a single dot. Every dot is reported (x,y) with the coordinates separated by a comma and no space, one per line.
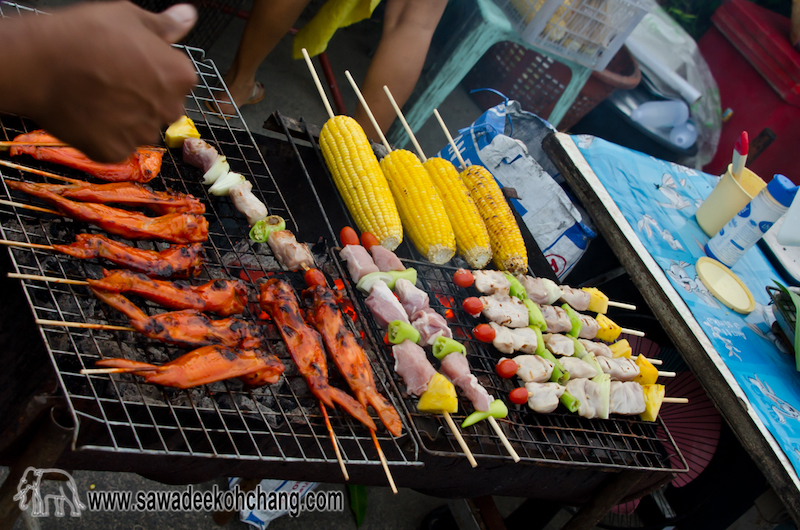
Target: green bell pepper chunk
(571,402)
(540,347)
(408,274)
(262,229)
(535,316)
(517,289)
(580,349)
(497,409)
(574,319)
(399,331)
(444,346)
(560,374)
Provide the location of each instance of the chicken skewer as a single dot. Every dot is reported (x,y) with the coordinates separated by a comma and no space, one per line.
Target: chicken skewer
(174,227)
(180,261)
(142,166)
(125,193)
(223,297)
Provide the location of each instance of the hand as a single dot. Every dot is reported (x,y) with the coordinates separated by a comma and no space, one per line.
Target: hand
(101,76)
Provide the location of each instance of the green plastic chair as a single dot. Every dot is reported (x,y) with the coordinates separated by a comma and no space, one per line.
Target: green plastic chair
(468,29)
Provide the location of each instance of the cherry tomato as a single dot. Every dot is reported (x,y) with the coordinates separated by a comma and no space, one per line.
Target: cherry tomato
(348,236)
(507,369)
(463,278)
(386,339)
(314,277)
(484,333)
(472,305)
(368,240)
(518,396)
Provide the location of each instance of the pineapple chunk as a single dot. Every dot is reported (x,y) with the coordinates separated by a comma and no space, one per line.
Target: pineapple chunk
(609,331)
(648,374)
(440,396)
(653,397)
(621,348)
(179,131)
(598,302)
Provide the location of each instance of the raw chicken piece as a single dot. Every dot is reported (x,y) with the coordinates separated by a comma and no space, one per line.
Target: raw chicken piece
(620,369)
(578,299)
(534,288)
(589,327)
(430,325)
(556,319)
(384,305)
(248,204)
(359,262)
(288,251)
(525,340)
(589,394)
(199,153)
(411,297)
(456,367)
(503,338)
(578,368)
(411,363)
(543,397)
(626,398)
(597,348)
(505,310)
(385,259)
(491,282)
(533,369)
(559,344)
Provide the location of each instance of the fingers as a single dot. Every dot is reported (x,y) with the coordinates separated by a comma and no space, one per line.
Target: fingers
(174,23)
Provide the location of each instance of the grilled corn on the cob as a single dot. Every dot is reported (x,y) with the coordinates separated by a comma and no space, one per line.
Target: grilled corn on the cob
(507,244)
(420,206)
(472,238)
(360,181)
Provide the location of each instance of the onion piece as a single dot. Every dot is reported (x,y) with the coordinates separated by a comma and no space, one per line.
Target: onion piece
(224,184)
(368,280)
(219,168)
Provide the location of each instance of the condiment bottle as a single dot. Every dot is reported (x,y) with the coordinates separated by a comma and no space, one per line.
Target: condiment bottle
(752,222)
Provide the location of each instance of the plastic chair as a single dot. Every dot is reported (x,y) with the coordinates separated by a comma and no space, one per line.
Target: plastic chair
(469,28)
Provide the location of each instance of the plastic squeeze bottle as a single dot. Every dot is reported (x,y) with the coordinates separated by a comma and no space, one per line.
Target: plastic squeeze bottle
(752,222)
(666,113)
(789,234)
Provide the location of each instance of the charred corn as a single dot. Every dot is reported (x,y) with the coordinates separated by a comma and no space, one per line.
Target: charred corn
(472,238)
(421,208)
(360,181)
(508,247)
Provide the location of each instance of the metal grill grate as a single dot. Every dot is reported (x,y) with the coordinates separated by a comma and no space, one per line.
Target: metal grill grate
(120,413)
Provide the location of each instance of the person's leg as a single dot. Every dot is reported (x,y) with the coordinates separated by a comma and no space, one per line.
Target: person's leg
(269,21)
(408,27)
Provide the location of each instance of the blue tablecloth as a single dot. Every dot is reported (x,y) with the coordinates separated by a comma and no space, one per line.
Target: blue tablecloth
(659,200)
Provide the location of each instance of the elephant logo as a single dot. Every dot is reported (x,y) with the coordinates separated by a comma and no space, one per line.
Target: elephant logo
(31,481)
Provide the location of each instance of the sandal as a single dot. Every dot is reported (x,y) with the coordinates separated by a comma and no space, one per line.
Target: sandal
(228,109)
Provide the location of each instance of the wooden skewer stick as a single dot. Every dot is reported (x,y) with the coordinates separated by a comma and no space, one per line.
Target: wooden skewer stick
(450,138)
(666,374)
(28,207)
(657,362)
(459,438)
(22,244)
(38,172)
(318,83)
(403,121)
(502,435)
(96,371)
(84,325)
(48,279)
(675,400)
(371,116)
(5,146)
(383,462)
(621,305)
(633,332)
(333,439)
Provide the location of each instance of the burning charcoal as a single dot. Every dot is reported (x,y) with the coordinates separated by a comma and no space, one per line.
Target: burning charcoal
(155,355)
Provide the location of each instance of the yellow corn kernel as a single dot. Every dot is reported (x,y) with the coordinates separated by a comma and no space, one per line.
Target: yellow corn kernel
(472,238)
(609,330)
(598,301)
(653,398)
(439,397)
(360,181)
(421,209)
(621,348)
(648,374)
(507,244)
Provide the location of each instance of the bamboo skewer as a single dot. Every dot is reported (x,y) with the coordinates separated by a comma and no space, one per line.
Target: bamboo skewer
(6,145)
(29,207)
(383,462)
(38,172)
(423,159)
(675,400)
(83,325)
(666,374)
(621,305)
(459,439)
(22,244)
(633,332)
(98,371)
(48,279)
(334,440)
